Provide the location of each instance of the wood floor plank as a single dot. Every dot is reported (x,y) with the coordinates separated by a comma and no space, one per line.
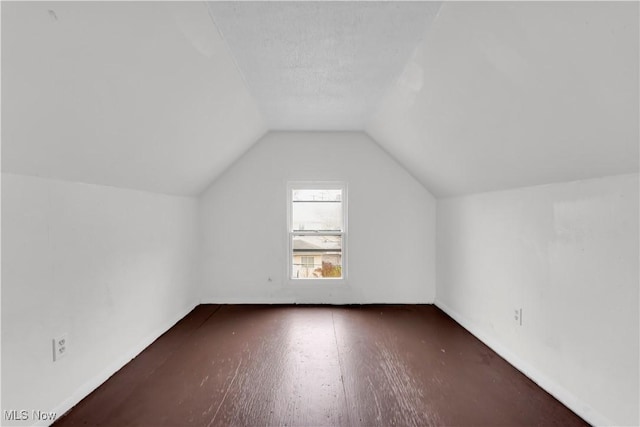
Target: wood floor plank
(97,408)
(381,388)
(195,380)
(423,369)
(291,375)
(376,365)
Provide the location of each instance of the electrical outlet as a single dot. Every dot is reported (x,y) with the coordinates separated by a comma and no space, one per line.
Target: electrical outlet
(518,316)
(60,347)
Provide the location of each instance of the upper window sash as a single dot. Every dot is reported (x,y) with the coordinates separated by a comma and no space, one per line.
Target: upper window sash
(317,207)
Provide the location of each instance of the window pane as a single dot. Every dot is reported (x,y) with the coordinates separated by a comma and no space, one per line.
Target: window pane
(317,257)
(317,210)
(325,216)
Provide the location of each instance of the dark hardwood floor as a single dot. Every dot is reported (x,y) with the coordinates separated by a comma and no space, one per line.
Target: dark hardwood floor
(376,365)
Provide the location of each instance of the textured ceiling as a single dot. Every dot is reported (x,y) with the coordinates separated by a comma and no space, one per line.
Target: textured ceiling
(467,96)
(321,65)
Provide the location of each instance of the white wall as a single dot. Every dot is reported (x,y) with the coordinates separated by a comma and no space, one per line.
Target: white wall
(391,240)
(113,268)
(567,254)
(142,95)
(497,89)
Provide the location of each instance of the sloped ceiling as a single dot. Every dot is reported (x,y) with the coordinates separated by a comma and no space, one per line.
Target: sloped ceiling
(321,65)
(468,96)
(141,95)
(503,95)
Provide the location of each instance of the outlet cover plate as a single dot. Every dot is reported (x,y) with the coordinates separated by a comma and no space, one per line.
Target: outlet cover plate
(60,347)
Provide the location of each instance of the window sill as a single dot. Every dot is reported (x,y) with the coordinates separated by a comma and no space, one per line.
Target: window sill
(316,282)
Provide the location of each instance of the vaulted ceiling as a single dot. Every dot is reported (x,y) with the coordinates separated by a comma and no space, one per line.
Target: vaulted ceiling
(321,66)
(503,95)
(142,95)
(468,96)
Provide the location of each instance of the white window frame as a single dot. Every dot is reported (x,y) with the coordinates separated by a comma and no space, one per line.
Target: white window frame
(316,185)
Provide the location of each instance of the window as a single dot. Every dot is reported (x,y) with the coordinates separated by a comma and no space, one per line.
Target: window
(317,230)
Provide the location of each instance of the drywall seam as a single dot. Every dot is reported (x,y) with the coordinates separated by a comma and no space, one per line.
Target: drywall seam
(571,401)
(89,386)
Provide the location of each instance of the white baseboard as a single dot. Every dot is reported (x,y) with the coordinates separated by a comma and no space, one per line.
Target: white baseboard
(256,301)
(324,300)
(99,379)
(567,398)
